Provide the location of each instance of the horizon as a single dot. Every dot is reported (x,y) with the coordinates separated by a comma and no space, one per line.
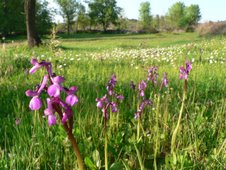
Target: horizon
(210,11)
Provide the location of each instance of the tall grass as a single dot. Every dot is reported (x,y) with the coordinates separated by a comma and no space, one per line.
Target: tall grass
(200,143)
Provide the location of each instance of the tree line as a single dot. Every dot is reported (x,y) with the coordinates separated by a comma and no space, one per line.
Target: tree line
(13,18)
(16,17)
(178,17)
(105,13)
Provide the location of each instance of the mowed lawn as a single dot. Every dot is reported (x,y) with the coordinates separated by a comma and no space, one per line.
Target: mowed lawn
(102,41)
(88,61)
(96,42)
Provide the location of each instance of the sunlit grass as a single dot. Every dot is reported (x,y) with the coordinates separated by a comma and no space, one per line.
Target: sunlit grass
(88,62)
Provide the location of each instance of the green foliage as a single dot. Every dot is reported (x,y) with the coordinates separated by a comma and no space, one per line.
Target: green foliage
(104,12)
(68,11)
(13,19)
(156,22)
(83,19)
(192,15)
(145,15)
(175,15)
(43,17)
(181,17)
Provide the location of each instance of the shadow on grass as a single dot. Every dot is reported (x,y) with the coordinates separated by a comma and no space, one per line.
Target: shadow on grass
(98,37)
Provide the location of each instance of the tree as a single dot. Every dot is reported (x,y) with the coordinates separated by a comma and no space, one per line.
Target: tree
(145,15)
(68,11)
(13,20)
(156,22)
(11,17)
(181,17)
(82,17)
(122,24)
(192,15)
(32,36)
(175,15)
(43,17)
(104,12)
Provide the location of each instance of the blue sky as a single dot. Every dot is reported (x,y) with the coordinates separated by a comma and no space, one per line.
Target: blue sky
(211,10)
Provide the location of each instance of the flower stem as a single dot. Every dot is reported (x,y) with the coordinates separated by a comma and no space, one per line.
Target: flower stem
(138,129)
(105,145)
(157,133)
(72,139)
(173,140)
(76,150)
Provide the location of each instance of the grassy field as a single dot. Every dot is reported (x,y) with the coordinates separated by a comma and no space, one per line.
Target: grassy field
(88,61)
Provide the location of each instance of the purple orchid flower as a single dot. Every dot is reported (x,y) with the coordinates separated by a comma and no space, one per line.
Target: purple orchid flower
(132,85)
(37,65)
(111,84)
(36,103)
(143,104)
(54,89)
(104,103)
(152,74)
(141,87)
(184,72)
(165,80)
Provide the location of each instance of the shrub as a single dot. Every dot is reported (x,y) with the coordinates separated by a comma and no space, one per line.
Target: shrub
(212,28)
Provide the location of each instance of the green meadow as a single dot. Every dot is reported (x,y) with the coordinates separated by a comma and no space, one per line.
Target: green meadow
(88,61)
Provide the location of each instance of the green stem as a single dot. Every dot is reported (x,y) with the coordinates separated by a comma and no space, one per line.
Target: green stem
(117,120)
(139,157)
(138,129)
(105,145)
(157,133)
(138,123)
(178,124)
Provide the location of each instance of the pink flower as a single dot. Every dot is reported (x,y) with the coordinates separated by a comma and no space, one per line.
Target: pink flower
(35,103)
(53,89)
(184,72)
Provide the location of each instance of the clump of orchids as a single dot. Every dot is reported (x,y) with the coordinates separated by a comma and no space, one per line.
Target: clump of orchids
(52,85)
(108,104)
(184,72)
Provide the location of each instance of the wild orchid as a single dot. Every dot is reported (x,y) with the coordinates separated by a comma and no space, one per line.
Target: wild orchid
(141,87)
(104,103)
(142,105)
(153,75)
(165,81)
(144,102)
(52,85)
(132,85)
(108,103)
(184,72)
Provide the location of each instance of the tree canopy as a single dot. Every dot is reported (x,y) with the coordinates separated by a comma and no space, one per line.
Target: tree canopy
(145,15)
(104,12)
(181,17)
(176,15)
(12,17)
(68,11)
(192,14)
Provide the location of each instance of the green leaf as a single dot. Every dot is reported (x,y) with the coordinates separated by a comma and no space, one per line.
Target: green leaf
(116,166)
(89,163)
(96,158)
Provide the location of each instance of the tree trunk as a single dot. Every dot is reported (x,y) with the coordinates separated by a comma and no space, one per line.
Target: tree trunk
(32,36)
(104,27)
(5,22)
(68,25)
